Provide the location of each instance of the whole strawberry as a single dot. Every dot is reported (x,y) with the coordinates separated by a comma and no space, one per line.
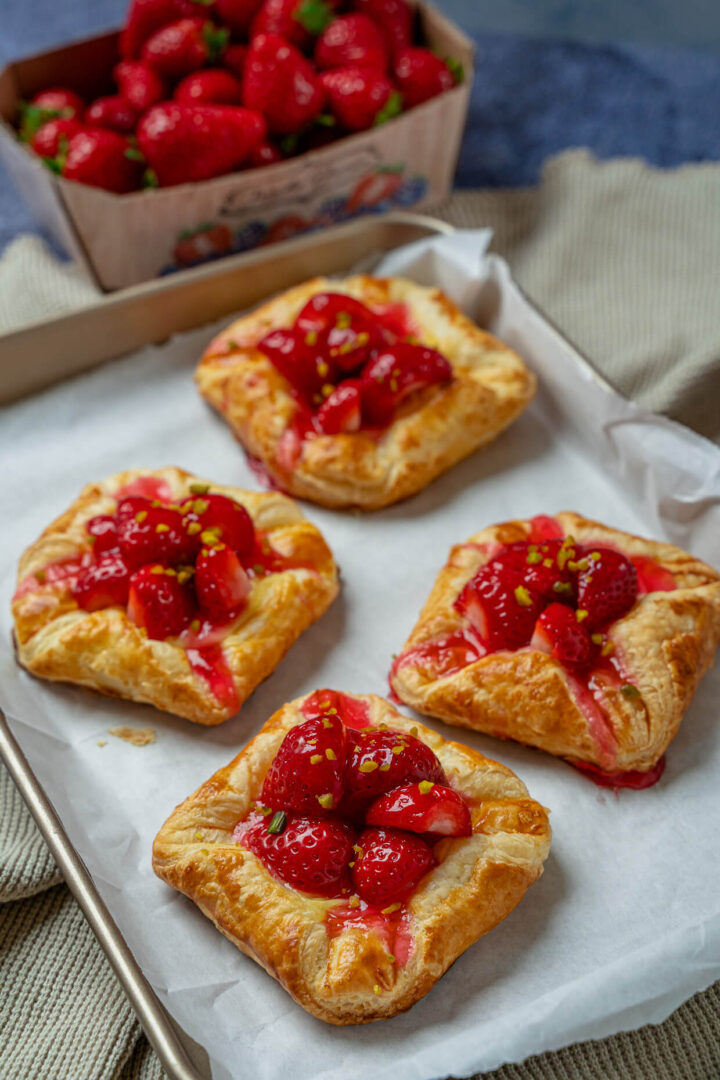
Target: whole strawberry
(607,586)
(102,159)
(422,75)
(112,112)
(306,775)
(238,14)
(309,853)
(54,136)
(144,17)
(394,17)
(53,104)
(389,864)
(360,98)
(281,84)
(139,84)
(185,143)
(212,87)
(352,41)
(184,46)
(298,21)
(234,59)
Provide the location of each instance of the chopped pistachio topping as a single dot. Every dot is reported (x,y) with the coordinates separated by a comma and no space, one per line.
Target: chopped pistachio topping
(523,596)
(195,625)
(390,908)
(199,489)
(185,574)
(40,576)
(315,759)
(258,568)
(323,369)
(326,801)
(326,723)
(608,648)
(326,389)
(385,768)
(278,823)
(332,711)
(200,505)
(354,902)
(157,570)
(363,337)
(194,527)
(311,337)
(534,557)
(368,766)
(198,836)
(629,691)
(581,614)
(343,320)
(330,754)
(376,989)
(596,639)
(563,587)
(595,556)
(141,515)
(357,849)
(425,786)
(210,536)
(399,747)
(170,572)
(414,732)
(161,527)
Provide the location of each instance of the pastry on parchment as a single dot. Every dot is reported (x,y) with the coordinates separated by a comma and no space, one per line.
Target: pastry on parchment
(165,588)
(568,635)
(359,392)
(354,854)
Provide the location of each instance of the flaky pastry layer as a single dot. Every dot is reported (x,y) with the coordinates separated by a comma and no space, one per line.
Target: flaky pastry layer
(490,388)
(104,650)
(351,978)
(664,645)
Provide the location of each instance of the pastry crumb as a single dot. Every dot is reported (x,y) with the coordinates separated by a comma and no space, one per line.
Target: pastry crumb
(134,736)
(101,742)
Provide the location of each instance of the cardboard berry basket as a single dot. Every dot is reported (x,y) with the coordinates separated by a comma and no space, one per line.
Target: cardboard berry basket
(126,239)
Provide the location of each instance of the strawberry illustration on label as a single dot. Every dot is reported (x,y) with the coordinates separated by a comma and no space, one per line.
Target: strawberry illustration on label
(375,188)
(206,242)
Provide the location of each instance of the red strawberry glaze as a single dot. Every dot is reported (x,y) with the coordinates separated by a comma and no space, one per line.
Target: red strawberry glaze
(651,576)
(396,318)
(354,714)
(544,528)
(633,779)
(149,487)
(446,654)
(393,928)
(211,665)
(64,572)
(264,559)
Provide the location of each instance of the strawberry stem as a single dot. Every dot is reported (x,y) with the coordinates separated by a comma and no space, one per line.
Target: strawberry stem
(314,15)
(215,40)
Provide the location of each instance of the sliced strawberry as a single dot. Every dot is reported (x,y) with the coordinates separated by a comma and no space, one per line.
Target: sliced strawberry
(396,373)
(541,567)
(220,519)
(221,584)
(104,583)
(340,412)
(311,853)
(422,808)
(159,603)
(608,588)
(559,633)
(389,865)
(306,774)
(103,530)
(153,534)
(352,41)
(379,761)
(500,607)
(296,361)
(326,310)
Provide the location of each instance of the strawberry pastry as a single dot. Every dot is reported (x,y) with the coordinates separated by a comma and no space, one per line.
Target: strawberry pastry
(354,854)
(360,392)
(567,635)
(164,588)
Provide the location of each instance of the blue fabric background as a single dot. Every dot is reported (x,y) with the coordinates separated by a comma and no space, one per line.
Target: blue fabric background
(532,96)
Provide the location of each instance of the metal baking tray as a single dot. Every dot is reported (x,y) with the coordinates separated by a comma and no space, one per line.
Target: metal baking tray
(50,349)
(54,348)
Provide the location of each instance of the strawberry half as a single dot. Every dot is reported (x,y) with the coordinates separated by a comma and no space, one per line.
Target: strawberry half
(422,808)
(323,311)
(559,633)
(296,361)
(281,84)
(306,775)
(184,46)
(379,761)
(220,519)
(103,530)
(340,412)
(397,372)
(360,98)
(139,84)
(153,534)
(389,865)
(608,588)
(499,607)
(352,41)
(159,603)
(310,853)
(221,584)
(104,583)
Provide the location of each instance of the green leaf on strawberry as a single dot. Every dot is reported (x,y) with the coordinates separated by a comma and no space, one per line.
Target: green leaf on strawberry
(314,15)
(391,108)
(216,40)
(455,68)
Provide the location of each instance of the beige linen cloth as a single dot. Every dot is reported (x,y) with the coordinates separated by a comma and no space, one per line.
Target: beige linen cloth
(626,261)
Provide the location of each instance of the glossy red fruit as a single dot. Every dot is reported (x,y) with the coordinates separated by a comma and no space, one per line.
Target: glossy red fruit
(397,372)
(265,154)
(212,87)
(234,59)
(327,310)
(294,359)
(352,41)
(238,14)
(421,75)
(499,607)
(221,584)
(130,505)
(113,112)
(298,21)
(390,866)
(223,518)
(185,143)
(306,775)
(102,159)
(153,534)
(56,103)
(559,633)
(53,137)
(281,84)
(360,98)
(379,761)
(422,808)
(139,84)
(608,588)
(184,46)
(144,17)
(340,412)
(310,854)
(104,583)
(394,17)
(103,530)
(158,602)
(546,571)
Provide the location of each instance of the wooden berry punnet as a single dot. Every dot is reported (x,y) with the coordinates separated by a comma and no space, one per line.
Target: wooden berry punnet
(407,161)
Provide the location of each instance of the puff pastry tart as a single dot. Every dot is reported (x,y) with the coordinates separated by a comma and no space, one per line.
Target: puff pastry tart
(567,635)
(360,392)
(353,854)
(168,589)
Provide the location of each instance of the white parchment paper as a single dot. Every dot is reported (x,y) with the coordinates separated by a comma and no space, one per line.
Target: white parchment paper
(625,922)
